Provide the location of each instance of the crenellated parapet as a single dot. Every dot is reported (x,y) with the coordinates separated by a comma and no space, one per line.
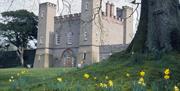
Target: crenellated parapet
(109,13)
(49,4)
(112,18)
(69,17)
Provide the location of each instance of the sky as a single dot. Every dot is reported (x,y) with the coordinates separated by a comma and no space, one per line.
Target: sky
(33,5)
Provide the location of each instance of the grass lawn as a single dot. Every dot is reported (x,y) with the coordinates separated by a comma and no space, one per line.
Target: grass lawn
(122,70)
(33,76)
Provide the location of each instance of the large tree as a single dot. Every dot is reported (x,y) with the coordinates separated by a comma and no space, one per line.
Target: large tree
(19,27)
(159,27)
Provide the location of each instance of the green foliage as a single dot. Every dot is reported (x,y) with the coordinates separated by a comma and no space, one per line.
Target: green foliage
(163,85)
(9,59)
(138,87)
(19,27)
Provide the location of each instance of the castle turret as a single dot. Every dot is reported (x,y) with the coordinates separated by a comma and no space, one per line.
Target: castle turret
(128,24)
(89,40)
(108,8)
(111,10)
(44,56)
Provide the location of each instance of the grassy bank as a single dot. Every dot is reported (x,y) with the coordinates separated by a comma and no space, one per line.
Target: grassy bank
(122,70)
(31,77)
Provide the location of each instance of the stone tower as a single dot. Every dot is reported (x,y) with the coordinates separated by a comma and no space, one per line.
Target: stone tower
(128,24)
(44,56)
(89,40)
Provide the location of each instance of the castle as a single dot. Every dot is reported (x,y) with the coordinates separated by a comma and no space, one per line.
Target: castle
(83,38)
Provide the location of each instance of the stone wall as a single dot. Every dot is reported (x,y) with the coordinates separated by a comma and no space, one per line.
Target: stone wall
(108,50)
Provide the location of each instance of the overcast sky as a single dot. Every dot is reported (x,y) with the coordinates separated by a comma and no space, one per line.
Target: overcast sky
(32,5)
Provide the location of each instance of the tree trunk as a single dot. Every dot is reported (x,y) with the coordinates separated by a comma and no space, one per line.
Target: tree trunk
(159,27)
(20,53)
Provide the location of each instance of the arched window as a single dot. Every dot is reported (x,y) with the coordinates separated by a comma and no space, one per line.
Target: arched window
(42,14)
(57,39)
(85,36)
(69,38)
(41,40)
(84,55)
(86,7)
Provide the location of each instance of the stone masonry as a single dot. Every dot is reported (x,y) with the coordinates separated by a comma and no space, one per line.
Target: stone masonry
(82,38)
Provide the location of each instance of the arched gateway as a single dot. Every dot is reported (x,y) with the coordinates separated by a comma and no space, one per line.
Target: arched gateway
(68,58)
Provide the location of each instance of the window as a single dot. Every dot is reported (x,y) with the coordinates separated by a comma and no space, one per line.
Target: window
(84,55)
(39,57)
(85,36)
(42,14)
(41,40)
(97,36)
(69,38)
(57,39)
(86,7)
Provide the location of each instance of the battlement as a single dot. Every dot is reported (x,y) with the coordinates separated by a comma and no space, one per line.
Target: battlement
(127,7)
(49,4)
(68,17)
(109,13)
(114,18)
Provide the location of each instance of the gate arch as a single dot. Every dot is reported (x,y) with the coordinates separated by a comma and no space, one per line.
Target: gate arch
(68,58)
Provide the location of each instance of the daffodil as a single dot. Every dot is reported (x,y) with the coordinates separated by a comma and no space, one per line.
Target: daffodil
(12,77)
(86,76)
(22,72)
(176,88)
(10,80)
(127,74)
(110,83)
(101,84)
(18,74)
(141,80)
(106,77)
(142,73)
(144,84)
(166,77)
(105,85)
(95,78)
(59,79)
(166,71)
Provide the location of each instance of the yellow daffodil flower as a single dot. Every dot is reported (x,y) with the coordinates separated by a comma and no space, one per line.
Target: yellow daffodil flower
(86,76)
(106,77)
(144,84)
(101,84)
(166,71)
(22,72)
(10,80)
(127,74)
(12,77)
(142,73)
(166,77)
(110,83)
(176,88)
(18,74)
(105,85)
(59,79)
(141,79)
